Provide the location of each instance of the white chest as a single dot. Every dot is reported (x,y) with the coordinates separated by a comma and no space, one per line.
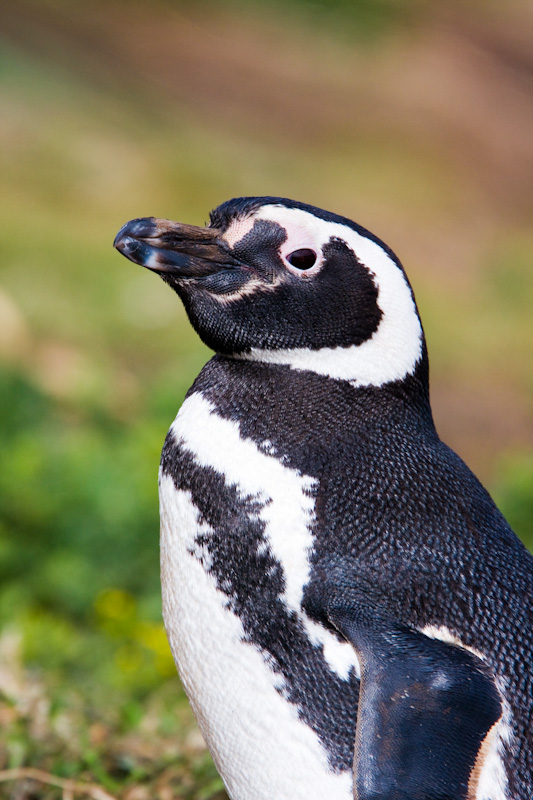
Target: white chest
(238,692)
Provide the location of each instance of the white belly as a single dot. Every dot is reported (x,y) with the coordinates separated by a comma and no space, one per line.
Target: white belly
(260,745)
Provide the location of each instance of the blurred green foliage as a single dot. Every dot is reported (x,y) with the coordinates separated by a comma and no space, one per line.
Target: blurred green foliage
(514,495)
(78,538)
(79,501)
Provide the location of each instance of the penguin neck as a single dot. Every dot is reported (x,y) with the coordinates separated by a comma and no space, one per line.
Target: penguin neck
(403,403)
(281,391)
(408,397)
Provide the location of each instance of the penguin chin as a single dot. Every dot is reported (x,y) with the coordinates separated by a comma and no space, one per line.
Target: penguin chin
(224,284)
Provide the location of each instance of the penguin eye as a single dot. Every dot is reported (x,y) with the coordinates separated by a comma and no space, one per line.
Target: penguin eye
(302,259)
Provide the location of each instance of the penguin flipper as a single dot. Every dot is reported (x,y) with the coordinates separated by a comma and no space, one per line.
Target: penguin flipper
(425,709)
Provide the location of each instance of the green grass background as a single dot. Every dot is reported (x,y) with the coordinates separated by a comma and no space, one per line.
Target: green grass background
(96,354)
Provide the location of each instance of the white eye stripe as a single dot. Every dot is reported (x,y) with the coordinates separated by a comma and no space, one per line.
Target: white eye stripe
(301,235)
(302,231)
(396,347)
(238,230)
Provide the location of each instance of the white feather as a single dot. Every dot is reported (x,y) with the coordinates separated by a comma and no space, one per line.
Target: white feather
(286,496)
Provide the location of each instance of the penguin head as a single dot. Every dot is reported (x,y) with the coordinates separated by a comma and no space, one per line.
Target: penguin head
(278,281)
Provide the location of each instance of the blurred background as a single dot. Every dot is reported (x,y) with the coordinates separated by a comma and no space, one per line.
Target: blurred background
(413,118)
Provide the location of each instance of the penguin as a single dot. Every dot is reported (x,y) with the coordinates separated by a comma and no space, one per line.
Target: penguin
(349,612)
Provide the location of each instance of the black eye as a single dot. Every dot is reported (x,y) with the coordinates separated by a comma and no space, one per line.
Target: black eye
(302,259)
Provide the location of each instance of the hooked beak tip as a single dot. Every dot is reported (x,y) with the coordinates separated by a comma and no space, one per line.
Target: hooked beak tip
(140,228)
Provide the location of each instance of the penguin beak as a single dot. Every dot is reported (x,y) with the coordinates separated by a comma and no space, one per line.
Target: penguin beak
(174,249)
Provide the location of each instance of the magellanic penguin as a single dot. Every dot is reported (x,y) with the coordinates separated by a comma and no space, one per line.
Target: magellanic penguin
(350,614)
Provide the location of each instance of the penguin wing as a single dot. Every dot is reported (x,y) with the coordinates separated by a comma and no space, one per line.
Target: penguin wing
(425,709)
